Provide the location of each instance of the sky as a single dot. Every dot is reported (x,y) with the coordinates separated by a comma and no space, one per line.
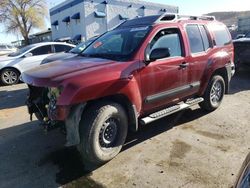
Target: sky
(188,7)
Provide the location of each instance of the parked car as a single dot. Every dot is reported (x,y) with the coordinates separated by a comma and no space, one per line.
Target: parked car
(6,49)
(243,180)
(28,57)
(241,52)
(68,54)
(143,70)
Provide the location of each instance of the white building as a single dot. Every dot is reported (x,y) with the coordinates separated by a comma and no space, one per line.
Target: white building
(83,19)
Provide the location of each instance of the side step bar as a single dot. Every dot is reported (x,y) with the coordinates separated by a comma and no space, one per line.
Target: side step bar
(170,110)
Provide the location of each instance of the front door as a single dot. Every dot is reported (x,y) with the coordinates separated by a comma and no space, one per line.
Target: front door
(164,81)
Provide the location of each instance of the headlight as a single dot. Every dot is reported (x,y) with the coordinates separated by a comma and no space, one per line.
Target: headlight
(55,91)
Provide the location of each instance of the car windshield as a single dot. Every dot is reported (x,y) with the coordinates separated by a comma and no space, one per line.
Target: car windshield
(118,45)
(22,50)
(80,47)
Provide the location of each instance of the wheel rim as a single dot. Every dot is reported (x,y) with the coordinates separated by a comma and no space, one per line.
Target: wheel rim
(108,133)
(9,77)
(216,93)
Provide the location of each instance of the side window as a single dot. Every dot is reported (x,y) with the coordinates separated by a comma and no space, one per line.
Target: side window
(194,37)
(168,38)
(62,48)
(205,39)
(221,35)
(42,50)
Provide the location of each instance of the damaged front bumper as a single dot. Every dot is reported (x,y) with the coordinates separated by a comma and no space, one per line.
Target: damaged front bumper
(43,103)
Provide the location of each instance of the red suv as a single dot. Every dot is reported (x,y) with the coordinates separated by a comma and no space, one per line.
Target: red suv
(145,69)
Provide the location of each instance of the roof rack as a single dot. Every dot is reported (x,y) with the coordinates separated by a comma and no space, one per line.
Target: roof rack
(166,17)
(176,17)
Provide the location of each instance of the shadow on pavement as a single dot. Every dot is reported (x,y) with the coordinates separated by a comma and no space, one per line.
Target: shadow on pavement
(34,159)
(12,99)
(240,81)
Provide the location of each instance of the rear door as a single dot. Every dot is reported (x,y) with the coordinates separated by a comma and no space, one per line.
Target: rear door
(200,46)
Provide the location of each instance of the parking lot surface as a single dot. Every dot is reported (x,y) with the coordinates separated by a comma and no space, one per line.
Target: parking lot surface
(188,149)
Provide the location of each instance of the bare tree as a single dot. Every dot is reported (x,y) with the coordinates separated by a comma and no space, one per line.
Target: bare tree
(22,16)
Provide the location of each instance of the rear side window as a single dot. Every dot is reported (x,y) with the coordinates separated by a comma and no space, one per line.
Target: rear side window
(62,48)
(221,35)
(195,39)
(42,50)
(205,39)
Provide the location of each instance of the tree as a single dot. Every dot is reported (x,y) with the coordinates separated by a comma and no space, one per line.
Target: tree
(22,16)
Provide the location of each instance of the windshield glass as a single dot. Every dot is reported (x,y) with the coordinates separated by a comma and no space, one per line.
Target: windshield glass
(80,47)
(118,45)
(22,50)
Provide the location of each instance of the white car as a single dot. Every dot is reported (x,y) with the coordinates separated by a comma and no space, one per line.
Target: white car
(6,49)
(28,57)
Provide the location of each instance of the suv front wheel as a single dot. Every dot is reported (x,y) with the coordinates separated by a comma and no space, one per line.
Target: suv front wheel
(214,93)
(103,131)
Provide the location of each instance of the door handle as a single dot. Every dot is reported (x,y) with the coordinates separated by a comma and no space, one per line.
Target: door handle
(184,65)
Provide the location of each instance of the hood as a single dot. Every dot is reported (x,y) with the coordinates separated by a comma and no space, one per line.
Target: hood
(58,56)
(53,73)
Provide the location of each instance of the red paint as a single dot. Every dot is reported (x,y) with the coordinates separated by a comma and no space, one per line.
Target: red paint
(85,79)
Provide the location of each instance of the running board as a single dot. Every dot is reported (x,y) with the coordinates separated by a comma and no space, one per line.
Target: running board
(170,110)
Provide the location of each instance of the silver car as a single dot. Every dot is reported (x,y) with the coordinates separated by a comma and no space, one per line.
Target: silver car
(30,56)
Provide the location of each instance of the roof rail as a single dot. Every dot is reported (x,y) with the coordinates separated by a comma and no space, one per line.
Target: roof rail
(167,17)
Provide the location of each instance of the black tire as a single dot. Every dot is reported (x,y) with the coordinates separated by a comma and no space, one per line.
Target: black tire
(214,94)
(103,131)
(9,76)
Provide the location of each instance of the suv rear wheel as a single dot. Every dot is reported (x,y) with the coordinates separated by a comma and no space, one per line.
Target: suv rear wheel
(103,131)
(214,93)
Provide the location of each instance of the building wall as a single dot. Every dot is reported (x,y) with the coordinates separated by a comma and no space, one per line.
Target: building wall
(244,25)
(71,29)
(89,25)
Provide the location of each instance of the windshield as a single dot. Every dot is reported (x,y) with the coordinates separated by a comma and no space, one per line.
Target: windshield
(80,47)
(22,50)
(118,45)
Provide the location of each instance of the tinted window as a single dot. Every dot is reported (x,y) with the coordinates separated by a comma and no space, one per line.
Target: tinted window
(204,37)
(195,40)
(42,50)
(62,48)
(221,35)
(167,39)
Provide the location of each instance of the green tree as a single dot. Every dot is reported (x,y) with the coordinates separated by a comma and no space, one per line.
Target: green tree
(21,16)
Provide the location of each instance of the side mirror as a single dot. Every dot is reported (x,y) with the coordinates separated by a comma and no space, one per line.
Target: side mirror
(28,54)
(159,53)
